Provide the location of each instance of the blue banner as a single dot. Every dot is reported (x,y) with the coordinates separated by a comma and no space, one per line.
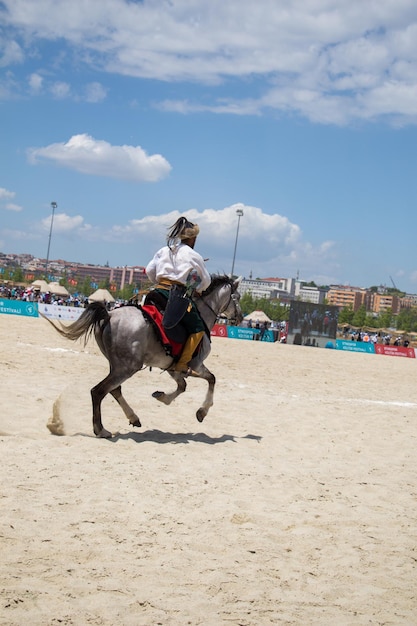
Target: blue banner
(19,307)
(240,332)
(355,346)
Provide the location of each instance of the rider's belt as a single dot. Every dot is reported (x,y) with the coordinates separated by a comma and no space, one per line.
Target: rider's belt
(165,283)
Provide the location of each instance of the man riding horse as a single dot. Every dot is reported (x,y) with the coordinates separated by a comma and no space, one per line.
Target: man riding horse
(177,269)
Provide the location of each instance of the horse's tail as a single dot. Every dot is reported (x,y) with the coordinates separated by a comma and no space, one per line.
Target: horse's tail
(95,317)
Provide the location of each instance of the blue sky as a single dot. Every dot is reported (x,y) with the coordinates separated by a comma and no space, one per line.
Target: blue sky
(128,114)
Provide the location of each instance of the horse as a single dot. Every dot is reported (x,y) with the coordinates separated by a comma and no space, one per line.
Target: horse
(130,343)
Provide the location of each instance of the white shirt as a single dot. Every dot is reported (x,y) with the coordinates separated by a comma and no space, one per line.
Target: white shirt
(176,264)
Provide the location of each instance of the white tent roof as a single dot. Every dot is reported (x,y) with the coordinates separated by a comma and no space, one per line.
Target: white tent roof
(57,289)
(101,295)
(40,285)
(257,315)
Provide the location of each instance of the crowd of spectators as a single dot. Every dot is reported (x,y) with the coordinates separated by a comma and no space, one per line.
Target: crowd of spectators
(29,294)
(376,336)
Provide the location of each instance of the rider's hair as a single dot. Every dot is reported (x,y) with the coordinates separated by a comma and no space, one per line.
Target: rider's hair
(181,230)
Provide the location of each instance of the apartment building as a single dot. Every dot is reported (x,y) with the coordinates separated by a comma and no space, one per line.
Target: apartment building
(382,302)
(118,276)
(345,296)
(306,293)
(268,287)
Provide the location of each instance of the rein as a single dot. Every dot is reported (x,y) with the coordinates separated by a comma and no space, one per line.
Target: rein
(232,297)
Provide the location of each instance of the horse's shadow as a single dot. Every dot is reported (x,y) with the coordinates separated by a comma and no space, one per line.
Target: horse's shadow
(159,436)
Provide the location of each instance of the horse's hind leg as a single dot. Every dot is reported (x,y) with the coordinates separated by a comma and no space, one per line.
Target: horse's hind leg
(127,410)
(110,384)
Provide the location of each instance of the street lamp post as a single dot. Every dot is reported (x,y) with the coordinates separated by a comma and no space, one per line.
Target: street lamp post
(54,206)
(239,213)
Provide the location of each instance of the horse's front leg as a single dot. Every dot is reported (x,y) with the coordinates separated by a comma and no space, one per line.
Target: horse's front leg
(167,398)
(126,408)
(203,372)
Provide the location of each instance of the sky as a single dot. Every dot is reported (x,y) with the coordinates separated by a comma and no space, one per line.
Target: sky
(302,114)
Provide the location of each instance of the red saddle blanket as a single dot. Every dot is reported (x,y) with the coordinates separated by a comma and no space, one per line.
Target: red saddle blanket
(155,317)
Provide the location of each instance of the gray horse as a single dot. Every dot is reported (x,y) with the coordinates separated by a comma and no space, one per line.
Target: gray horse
(130,343)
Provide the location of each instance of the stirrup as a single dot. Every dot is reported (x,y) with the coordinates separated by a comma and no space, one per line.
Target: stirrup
(186,372)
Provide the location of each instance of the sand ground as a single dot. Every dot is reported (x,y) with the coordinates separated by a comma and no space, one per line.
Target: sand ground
(294,502)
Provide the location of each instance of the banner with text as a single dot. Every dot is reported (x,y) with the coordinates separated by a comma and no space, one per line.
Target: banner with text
(355,346)
(395,351)
(19,307)
(57,312)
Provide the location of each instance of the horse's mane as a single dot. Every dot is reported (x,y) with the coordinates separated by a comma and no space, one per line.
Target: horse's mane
(218,280)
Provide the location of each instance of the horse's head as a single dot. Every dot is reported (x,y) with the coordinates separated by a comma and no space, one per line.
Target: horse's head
(222,298)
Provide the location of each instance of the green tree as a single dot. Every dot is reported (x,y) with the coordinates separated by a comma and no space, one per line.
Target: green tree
(385,319)
(85,287)
(407,320)
(104,284)
(359,316)
(126,293)
(346,315)
(272,308)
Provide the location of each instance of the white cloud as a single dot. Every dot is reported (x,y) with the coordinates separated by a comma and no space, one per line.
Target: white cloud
(63,223)
(96,157)
(13,207)
(342,52)
(95,92)
(35,82)
(11,53)
(60,90)
(5,193)
(265,241)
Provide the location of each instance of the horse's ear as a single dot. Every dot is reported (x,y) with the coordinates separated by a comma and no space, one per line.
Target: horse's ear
(237,283)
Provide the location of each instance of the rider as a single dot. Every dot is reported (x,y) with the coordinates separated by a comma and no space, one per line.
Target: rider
(178,263)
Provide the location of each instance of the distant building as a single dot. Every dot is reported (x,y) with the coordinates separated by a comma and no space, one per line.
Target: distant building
(345,296)
(306,293)
(383,302)
(282,288)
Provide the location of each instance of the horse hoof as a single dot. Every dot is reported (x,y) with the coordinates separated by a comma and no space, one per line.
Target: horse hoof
(104,434)
(201,414)
(158,394)
(136,423)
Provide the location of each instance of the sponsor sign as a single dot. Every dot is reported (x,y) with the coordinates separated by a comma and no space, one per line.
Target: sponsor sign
(219,330)
(355,346)
(242,332)
(239,332)
(19,307)
(395,351)
(55,311)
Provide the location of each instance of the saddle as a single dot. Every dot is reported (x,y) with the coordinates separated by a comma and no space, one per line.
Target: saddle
(152,313)
(172,339)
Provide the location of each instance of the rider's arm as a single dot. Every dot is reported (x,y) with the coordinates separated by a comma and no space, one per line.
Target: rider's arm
(198,263)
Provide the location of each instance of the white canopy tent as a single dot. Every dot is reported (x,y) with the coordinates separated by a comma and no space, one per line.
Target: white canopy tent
(40,285)
(101,295)
(57,289)
(256,316)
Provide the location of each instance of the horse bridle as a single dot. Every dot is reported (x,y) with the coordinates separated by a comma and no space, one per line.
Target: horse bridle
(234,297)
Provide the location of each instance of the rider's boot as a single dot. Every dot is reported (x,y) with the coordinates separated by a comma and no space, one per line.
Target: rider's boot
(188,350)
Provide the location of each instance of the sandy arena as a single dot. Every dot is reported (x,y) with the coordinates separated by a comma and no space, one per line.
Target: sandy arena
(294,502)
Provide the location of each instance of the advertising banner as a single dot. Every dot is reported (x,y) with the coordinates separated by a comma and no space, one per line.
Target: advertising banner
(239,332)
(57,312)
(19,307)
(395,351)
(219,330)
(355,346)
